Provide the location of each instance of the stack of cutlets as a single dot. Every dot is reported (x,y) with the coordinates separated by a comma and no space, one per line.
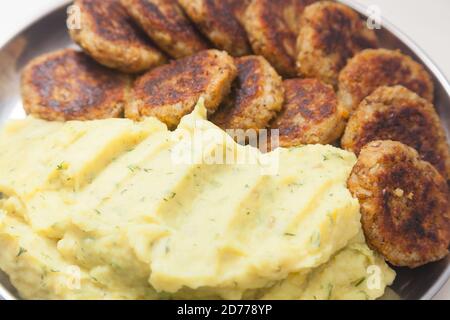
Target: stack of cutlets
(310,69)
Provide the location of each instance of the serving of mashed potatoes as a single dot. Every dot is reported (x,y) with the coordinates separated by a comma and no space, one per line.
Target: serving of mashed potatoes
(99,210)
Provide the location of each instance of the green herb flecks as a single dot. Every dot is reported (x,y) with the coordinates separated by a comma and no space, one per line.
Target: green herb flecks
(331,218)
(134,168)
(315,239)
(330,291)
(358,282)
(22,251)
(61,166)
(171,196)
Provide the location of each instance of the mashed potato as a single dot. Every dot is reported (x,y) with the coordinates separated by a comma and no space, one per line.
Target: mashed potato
(103,210)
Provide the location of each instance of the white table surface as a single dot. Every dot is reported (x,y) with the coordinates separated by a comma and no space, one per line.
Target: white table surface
(427,22)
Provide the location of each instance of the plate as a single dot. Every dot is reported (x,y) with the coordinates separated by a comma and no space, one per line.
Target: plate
(49,33)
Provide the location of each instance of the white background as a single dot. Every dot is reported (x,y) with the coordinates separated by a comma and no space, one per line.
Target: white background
(425,21)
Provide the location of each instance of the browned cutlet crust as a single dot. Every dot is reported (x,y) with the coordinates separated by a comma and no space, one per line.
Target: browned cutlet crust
(166,24)
(396,113)
(272,27)
(373,68)
(256,97)
(110,36)
(330,34)
(404,204)
(170,92)
(238,7)
(309,115)
(69,85)
(216,20)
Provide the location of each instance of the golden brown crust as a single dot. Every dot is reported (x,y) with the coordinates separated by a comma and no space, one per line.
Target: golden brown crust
(238,7)
(110,36)
(170,92)
(255,99)
(165,23)
(404,204)
(272,27)
(68,85)
(310,114)
(216,20)
(373,68)
(330,34)
(396,113)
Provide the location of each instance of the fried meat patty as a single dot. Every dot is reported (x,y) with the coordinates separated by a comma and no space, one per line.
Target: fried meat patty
(405,204)
(330,34)
(239,7)
(217,21)
(396,113)
(166,24)
(272,27)
(69,85)
(373,68)
(309,115)
(110,36)
(256,97)
(171,91)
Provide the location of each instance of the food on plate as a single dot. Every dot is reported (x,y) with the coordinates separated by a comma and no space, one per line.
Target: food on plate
(115,204)
(166,24)
(171,91)
(272,27)
(169,205)
(405,204)
(330,34)
(310,114)
(396,113)
(373,68)
(110,36)
(217,21)
(69,85)
(334,280)
(256,97)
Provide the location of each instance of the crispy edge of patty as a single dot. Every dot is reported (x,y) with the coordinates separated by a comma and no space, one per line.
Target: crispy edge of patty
(373,68)
(166,24)
(330,34)
(310,114)
(272,28)
(216,20)
(170,92)
(109,36)
(256,97)
(404,204)
(68,85)
(396,113)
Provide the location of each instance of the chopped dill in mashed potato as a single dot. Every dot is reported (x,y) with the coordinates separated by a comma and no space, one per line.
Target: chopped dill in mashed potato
(103,212)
